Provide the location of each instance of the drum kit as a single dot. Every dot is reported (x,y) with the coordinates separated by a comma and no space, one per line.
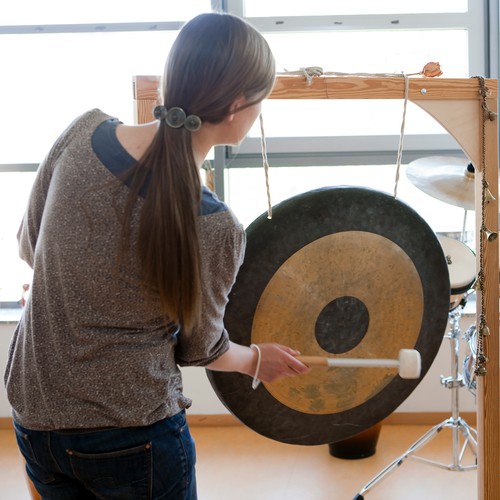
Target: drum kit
(450,180)
(357,281)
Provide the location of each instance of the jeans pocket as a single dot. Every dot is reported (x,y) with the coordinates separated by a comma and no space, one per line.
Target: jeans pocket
(122,474)
(34,467)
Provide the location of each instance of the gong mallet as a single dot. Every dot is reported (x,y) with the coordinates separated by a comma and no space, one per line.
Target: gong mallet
(409,363)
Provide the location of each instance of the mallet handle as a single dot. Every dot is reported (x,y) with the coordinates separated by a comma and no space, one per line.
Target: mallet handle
(348,362)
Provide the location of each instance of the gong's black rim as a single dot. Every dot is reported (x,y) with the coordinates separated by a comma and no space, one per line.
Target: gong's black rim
(297,222)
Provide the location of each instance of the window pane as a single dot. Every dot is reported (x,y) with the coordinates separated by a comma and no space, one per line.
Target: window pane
(343,117)
(14,191)
(53,78)
(246,191)
(264,8)
(26,12)
(390,51)
(400,52)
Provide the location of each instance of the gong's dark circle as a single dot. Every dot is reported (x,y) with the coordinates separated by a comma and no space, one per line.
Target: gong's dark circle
(296,223)
(341,325)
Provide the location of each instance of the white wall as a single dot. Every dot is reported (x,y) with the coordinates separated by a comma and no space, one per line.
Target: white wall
(429,396)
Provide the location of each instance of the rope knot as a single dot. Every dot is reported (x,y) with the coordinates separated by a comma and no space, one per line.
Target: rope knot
(310,72)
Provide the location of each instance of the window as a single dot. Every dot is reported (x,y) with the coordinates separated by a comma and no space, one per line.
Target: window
(14,273)
(331,142)
(350,38)
(263,8)
(59,60)
(61,12)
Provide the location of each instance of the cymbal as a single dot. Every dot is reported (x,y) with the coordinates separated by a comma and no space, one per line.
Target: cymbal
(447,178)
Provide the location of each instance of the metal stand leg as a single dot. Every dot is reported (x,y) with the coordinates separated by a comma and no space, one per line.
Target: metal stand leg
(458,425)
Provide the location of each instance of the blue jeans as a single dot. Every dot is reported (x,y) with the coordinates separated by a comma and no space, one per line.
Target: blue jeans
(152,462)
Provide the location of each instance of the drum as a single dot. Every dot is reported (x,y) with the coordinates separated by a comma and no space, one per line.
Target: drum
(341,272)
(470,359)
(461,262)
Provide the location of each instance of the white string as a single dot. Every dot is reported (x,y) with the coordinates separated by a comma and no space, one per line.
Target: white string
(266,167)
(401,137)
(256,381)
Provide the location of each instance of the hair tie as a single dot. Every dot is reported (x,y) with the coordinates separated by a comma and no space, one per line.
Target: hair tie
(176,118)
(160,112)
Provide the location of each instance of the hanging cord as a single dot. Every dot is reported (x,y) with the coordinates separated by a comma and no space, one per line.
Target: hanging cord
(431,69)
(310,72)
(266,167)
(401,137)
(483,330)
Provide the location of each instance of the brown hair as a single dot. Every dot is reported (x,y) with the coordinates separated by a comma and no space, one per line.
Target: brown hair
(215,59)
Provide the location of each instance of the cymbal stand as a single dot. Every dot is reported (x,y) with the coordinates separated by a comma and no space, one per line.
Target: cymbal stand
(457,424)
(463,237)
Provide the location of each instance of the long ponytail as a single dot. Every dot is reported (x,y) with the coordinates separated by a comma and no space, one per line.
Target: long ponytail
(215,59)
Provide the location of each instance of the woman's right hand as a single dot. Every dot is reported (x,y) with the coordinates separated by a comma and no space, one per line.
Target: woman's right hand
(278,361)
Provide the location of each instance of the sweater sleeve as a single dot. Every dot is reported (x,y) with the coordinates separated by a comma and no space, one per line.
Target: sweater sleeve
(27,234)
(223,241)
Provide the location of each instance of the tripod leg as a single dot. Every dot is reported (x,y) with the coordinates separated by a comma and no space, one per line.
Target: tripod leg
(430,434)
(455,422)
(467,432)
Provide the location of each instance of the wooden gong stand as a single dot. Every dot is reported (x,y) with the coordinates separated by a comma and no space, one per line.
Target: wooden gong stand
(457,105)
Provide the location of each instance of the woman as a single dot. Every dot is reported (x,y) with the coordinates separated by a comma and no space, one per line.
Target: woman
(133,261)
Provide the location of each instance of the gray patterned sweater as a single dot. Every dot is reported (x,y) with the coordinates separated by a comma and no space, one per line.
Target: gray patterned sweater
(90,351)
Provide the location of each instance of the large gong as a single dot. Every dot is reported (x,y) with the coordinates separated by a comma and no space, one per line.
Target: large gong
(337,272)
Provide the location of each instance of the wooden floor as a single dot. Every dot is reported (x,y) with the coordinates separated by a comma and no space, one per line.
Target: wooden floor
(236,463)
